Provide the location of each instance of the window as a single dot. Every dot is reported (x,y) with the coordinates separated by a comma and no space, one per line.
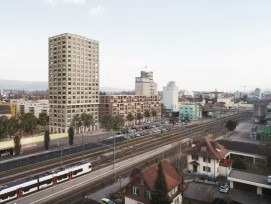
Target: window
(141,182)
(205,159)
(194,157)
(135,190)
(206,168)
(148,195)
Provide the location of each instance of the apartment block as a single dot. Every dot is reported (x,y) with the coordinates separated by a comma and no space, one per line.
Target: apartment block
(73,79)
(124,104)
(144,85)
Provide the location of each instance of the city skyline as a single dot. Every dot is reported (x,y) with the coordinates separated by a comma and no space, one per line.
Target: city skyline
(201,45)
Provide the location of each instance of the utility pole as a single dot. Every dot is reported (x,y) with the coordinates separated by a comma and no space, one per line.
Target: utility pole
(83,147)
(61,156)
(114,151)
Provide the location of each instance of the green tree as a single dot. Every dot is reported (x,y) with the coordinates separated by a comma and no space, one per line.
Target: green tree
(130,118)
(154,114)
(46,139)
(17,145)
(231,125)
(160,192)
(28,122)
(43,120)
(147,114)
(76,122)
(71,135)
(113,122)
(239,164)
(139,117)
(87,120)
(3,132)
(12,126)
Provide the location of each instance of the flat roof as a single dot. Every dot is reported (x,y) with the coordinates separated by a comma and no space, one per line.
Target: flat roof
(243,175)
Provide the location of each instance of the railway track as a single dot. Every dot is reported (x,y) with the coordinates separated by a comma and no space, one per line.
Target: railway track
(123,150)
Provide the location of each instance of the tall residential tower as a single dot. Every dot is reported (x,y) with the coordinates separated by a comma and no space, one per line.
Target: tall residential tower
(73,79)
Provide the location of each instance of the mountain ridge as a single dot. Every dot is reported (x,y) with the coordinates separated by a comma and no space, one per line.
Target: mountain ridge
(8,84)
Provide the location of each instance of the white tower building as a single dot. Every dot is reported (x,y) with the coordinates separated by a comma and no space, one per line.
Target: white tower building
(170,96)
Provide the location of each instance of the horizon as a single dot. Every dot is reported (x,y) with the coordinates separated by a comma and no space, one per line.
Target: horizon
(221,46)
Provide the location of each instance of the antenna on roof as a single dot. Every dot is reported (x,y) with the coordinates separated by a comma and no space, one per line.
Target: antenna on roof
(146,67)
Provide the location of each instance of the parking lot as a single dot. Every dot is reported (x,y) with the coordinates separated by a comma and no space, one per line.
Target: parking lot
(206,193)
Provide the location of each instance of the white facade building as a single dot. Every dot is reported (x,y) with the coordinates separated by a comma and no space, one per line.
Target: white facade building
(144,85)
(170,96)
(29,106)
(258,92)
(229,102)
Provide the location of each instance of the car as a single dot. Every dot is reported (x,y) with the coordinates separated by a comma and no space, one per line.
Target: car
(269,179)
(106,201)
(224,188)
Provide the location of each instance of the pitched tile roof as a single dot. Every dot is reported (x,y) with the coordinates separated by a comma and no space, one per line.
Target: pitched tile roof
(208,148)
(172,178)
(225,162)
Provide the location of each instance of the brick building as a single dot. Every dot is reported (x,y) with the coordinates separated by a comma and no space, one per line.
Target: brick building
(124,104)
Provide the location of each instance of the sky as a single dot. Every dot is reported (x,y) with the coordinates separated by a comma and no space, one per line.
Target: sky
(203,45)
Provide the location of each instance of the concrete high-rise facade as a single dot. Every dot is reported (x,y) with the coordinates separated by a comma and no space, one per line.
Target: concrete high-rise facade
(144,85)
(170,96)
(73,80)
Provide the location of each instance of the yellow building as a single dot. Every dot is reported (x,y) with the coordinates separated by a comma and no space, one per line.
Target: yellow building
(8,109)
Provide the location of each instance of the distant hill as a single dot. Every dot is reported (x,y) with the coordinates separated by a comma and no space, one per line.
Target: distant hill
(23,85)
(40,85)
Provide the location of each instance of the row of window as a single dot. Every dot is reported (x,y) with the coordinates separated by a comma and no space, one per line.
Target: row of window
(136,191)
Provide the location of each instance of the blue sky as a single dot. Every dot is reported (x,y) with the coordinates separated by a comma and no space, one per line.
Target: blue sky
(200,44)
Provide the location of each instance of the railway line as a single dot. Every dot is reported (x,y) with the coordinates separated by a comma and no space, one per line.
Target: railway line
(123,150)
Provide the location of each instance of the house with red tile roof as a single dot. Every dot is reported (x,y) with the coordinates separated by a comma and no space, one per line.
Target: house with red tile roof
(139,190)
(208,157)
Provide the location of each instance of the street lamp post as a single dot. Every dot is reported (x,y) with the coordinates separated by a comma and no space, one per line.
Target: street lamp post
(114,152)
(61,156)
(83,146)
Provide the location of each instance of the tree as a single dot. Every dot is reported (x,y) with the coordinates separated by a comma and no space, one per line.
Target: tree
(139,117)
(71,135)
(12,126)
(17,145)
(113,122)
(154,114)
(239,164)
(231,125)
(160,192)
(147,114)
(76,122)
(28,122)
(87,120)
(46,139)
(43,120)
(130,118)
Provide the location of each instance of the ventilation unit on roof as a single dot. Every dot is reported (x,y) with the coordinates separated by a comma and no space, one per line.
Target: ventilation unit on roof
(203,149)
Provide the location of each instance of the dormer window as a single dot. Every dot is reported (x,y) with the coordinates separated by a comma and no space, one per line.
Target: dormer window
(141,181)
(203,149)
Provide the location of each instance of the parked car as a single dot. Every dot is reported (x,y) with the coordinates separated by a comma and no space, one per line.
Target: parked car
(224,188)
(106,201)
(269,179)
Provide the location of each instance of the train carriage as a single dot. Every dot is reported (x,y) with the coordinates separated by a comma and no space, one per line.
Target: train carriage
(18,189)
(45,180)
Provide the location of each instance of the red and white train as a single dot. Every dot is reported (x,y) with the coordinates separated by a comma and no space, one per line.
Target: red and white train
(29,185)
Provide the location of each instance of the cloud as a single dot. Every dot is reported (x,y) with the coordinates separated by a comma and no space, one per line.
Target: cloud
(97,11)
(55,2)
